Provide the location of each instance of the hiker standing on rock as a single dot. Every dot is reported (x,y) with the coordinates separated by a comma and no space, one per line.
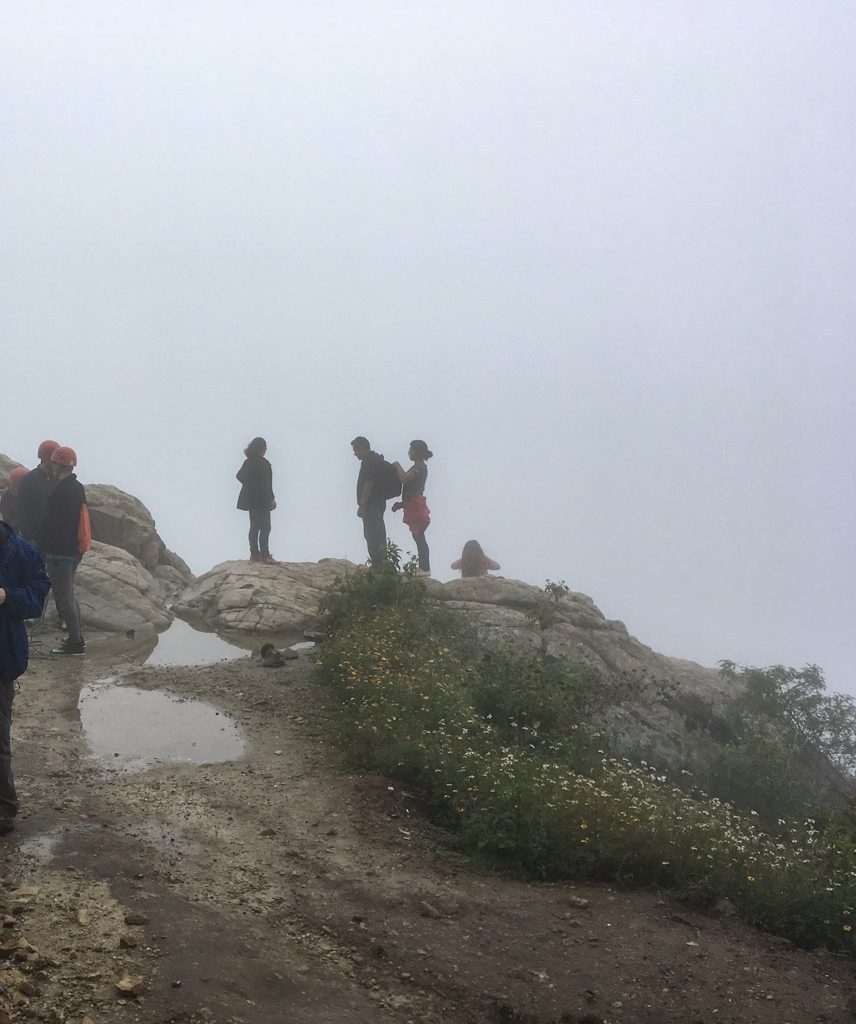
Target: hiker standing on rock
(417,515)
(24,586)
(36,488)
(374,487)
(256,497)
(59,540)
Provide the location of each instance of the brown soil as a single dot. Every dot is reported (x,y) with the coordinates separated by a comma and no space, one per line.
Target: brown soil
(282,888)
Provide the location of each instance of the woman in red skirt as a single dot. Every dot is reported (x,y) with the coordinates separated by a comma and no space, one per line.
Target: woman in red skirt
(416,512)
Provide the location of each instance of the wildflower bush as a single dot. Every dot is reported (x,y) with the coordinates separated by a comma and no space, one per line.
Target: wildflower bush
(500,748)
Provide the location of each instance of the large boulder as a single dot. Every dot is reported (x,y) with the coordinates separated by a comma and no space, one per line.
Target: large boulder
(252,598)
(116,592)
(123,521)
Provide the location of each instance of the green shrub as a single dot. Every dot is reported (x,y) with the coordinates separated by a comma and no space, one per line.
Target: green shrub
(493,745)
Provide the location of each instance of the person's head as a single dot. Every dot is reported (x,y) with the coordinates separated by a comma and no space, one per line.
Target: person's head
(63,461)
(15,478)
(472,559)
(418,451)
(46,449)
(258,446)
(361,447)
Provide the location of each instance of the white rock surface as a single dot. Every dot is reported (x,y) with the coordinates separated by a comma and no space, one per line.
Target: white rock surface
(116,592)
(253,598)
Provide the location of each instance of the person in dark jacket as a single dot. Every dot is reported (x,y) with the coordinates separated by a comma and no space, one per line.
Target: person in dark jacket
(256,497)
(35,490)
(371,501)
(10,499)
(24,585)
(58,540)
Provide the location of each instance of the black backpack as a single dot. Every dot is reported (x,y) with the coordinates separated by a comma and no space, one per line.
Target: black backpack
(388,482)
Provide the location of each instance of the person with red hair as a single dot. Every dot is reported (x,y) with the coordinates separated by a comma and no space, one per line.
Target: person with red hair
(36,488)
(10,499)
(59,540)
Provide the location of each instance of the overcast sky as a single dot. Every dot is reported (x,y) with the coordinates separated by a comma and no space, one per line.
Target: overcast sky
(599,255)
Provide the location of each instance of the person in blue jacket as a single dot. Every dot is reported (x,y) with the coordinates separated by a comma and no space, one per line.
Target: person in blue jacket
(24,586)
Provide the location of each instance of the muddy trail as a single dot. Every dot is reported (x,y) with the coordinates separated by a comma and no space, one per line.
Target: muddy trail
(186,833)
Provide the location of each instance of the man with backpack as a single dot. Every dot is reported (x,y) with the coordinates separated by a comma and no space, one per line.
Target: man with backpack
(59,540)
(24,586)
(377,482)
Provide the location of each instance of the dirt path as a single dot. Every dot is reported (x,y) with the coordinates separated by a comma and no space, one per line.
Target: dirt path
(280,888)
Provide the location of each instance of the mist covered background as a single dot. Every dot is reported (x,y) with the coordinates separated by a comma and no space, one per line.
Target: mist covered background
(599,256)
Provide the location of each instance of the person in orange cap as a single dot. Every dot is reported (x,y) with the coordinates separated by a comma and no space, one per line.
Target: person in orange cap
(34,492)
(10,499)
(58,540)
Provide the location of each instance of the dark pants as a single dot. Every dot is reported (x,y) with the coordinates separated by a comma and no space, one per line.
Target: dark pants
(374,530)
(8,796)
(422,551)
(62,572)
(259,531)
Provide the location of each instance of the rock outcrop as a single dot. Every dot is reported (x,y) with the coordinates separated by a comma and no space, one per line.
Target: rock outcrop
(116,592)
(123,521)
(252,598)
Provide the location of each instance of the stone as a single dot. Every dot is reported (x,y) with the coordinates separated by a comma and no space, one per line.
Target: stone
(247,597)
(123,521)
(127,942)
(136,917)
(117,593)
(130,985)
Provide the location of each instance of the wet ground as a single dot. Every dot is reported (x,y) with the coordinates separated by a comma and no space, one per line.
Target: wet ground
(229,866)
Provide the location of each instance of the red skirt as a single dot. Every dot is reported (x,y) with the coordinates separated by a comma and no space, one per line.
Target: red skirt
(417,515)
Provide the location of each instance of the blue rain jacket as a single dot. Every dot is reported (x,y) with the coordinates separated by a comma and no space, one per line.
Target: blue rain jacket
(23,577)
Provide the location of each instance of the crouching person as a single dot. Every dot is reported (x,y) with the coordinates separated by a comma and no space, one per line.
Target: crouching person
(24,586)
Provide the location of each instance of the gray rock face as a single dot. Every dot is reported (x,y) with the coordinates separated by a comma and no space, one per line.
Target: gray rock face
(252,598)
(124,521)
(665,693)
(116,592)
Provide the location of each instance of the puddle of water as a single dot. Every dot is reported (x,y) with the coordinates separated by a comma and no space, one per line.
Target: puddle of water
(131,729)
(181,644)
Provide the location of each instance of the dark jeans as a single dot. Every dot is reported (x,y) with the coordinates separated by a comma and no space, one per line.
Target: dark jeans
(422,551)
(374,530)
(62,572)
(259,531)
(8,796)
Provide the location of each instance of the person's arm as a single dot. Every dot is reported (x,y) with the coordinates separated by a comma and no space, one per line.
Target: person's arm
(241,475)
(404,475)
(456,564)
(491,564)
(366,494)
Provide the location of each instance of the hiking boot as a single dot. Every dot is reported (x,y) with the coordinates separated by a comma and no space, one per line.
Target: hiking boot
(268,560)
(70,647)
(7,825)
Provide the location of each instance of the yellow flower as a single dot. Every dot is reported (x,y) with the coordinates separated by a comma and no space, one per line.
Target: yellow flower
(847,927)
(750,878)
(664,862)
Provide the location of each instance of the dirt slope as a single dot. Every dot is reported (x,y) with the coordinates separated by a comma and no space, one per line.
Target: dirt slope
(280,888)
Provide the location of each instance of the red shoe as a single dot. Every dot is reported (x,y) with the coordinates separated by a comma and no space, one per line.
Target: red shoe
(268,560)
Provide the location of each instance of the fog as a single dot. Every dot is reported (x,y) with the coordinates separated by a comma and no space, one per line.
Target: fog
(599,256)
